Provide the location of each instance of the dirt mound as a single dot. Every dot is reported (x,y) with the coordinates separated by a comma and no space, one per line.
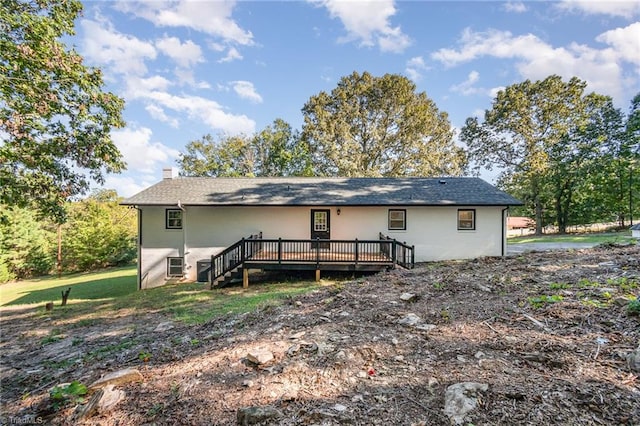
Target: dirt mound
(542,338)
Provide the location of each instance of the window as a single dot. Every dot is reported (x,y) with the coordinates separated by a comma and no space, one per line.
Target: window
(174,219)
(174,266)
(397,219)
(466,220)
(320,221)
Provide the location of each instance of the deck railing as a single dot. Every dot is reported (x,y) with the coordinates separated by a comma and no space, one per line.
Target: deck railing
(234,256)
(255,249)
(404,254)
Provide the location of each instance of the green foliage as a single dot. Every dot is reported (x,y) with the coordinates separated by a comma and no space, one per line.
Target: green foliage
(99,233)
(633,308)
(68,394)
(54,116)
(379,126)
(540,301)
(275,151)
(144,356)
(565,153)
(25,245)
(558,286)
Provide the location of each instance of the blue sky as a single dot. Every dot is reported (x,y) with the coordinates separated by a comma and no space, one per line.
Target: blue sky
(188,68)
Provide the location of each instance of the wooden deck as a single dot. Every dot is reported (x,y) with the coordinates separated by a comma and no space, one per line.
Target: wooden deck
(337,255)
(321,256)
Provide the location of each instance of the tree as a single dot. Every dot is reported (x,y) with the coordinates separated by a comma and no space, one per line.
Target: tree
(227,157)
(99,233)
(279,151)
(379,126)
(25,244)
(633,139)
(275,151)
(55,119)
(527,131)
(590,158)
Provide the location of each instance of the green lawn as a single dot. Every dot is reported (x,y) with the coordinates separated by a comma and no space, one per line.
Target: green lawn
(105,285)
(596,238)
(105,293)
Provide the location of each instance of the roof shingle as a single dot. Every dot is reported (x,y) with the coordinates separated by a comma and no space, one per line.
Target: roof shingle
(206,191)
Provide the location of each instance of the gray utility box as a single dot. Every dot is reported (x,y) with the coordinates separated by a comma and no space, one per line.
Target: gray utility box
(204,270)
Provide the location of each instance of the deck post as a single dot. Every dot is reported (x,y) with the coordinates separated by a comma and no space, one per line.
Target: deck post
(212,272)
(279,250)
(413,256)
(356,252)
(318,256)
(317,274)
(242,253)
(394,253)
(245,278)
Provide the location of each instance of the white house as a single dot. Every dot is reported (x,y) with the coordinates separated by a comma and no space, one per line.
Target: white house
(184,221)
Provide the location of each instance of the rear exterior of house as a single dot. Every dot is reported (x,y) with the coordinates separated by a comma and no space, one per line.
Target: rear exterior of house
(184,221)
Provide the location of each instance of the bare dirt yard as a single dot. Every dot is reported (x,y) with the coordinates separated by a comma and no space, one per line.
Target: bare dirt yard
(540,338)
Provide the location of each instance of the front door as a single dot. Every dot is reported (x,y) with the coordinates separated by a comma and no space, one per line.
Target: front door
(320,226)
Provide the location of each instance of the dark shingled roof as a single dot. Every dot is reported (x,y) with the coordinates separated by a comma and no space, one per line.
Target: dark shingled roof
(205,191)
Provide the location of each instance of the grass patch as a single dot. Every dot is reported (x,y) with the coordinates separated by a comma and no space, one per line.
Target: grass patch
(110,284)
(540,301)
(101,295)
(623,237)
(196,306)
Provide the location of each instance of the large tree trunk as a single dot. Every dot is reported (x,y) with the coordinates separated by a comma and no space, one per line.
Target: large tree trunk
(538,207)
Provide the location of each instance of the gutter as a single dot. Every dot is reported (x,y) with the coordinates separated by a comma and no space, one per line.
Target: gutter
(504,231)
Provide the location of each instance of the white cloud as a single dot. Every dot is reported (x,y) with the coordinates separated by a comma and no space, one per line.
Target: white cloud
(624,9)
(535,59)
(210,17)
(140,153)
(414,68)
(138,86)
(158,113)
(246,90)
(184,54)
(624,41)
(368,23)
(515,7)
(124,53)
(232,55)
(127,186)
(466,87)
(205,110)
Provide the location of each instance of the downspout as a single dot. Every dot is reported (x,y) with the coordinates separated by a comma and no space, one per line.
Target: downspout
(504,230)
(139,247)
(184,237)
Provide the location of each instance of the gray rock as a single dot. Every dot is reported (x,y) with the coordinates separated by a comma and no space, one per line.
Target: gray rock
(426,327)
(633,359)
(128,375)
(255,415)
(102,401)
(408,297)
(461,398)
(164,326)
(260,356)
(410,320)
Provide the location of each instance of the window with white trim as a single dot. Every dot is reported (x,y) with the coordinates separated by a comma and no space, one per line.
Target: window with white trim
(397,220)
(466,220)
(175,266)
(174,219)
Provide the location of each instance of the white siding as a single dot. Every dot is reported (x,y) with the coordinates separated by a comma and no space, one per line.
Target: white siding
(208,230)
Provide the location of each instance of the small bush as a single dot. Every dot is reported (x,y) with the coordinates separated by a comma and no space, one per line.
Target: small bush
(70,394)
